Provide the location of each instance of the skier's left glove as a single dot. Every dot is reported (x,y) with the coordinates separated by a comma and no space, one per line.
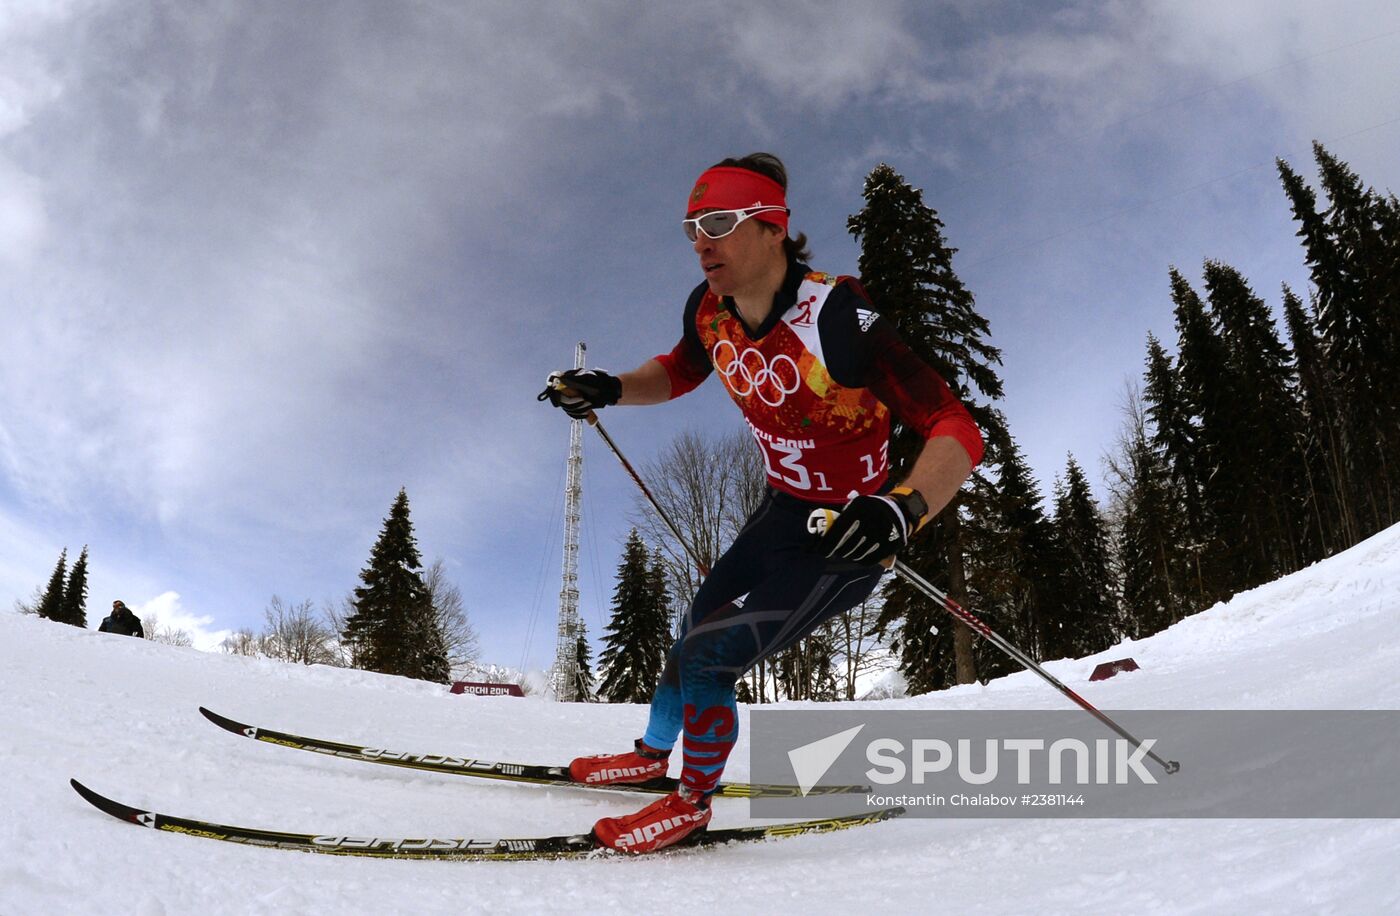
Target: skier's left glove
(871,529)
(579,392)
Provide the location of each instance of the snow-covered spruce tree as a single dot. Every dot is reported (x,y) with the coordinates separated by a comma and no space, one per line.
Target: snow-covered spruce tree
(51,604)
(392,628)
(907,268)
(74,608)
(639,633)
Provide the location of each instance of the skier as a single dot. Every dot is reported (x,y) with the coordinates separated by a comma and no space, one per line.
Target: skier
(122,621)
(817,374)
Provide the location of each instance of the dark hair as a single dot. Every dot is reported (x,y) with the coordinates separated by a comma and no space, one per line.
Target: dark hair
(770,166)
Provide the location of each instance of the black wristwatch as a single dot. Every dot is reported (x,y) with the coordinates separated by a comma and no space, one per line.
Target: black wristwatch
(913,503)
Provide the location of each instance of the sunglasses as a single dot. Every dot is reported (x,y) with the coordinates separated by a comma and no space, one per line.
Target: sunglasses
(719,223)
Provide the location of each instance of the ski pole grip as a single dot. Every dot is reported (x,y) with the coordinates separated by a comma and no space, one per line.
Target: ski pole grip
(822,519)
(592,418)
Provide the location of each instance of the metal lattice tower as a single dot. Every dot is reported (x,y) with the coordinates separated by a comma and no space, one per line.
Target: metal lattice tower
(565,653)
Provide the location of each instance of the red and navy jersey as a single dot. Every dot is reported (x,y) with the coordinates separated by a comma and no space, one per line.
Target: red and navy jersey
(817,383)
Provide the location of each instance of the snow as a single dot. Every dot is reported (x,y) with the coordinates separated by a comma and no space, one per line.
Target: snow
(120,714)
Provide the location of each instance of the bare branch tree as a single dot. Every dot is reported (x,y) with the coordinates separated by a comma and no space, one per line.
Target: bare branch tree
(459,636)
(170,636)
(857,651)
(241,642)
(295,633)
(30,607)
(335,614)
(708,487)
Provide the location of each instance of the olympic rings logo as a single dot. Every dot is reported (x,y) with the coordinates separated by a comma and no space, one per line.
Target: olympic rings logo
(746,375)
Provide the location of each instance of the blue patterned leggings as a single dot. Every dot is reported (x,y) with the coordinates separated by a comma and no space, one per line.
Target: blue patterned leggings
(791,591)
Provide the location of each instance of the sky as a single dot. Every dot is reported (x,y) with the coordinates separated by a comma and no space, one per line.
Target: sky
(263,264)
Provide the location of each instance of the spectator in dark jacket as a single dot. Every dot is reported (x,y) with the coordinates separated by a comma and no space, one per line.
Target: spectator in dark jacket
(122,621)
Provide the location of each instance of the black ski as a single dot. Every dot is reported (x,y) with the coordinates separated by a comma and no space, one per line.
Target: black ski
(577,846)
(486,769)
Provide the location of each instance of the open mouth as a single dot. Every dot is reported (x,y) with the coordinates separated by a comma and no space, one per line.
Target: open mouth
(710,269)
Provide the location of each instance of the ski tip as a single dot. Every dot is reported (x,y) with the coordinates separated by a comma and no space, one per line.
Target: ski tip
(85,792)
(223,722)
(107,805)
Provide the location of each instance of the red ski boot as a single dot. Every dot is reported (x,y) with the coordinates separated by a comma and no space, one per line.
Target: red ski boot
(660,824)
(640,765)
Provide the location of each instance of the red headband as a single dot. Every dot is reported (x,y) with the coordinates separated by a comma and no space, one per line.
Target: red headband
(731,188)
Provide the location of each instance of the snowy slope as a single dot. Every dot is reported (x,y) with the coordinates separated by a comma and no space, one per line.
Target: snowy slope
(121,715)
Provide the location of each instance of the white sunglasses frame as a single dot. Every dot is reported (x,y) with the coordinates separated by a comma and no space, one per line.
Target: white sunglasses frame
(744,213)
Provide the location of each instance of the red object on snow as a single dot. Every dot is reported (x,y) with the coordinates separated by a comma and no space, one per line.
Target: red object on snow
(488,690)
(1108,669)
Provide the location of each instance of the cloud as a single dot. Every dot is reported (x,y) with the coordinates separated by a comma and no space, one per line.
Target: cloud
(24,554)
(164,611)
(823,53)
(240,260)
(264,264)
(25,85)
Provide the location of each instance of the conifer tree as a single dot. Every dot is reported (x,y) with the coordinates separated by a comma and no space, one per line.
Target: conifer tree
(74,609)
(1205,389)
(583,667)
(639,633)
(51,604)
(907,268)
(1320,434)
(658,577)
(1260,463)
(1174,434)
(1153,569)
(1084,620)
(1011,570)
(1175,439)
(821,665)
(1354,258)
(392,628)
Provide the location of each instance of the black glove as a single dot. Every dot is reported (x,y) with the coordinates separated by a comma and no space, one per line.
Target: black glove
(873,528)
(580,391)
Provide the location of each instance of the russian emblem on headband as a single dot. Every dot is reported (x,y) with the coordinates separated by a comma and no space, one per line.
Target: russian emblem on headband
(699,192)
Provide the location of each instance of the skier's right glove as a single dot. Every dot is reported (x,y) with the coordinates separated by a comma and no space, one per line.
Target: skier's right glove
(579,392)
(870,529)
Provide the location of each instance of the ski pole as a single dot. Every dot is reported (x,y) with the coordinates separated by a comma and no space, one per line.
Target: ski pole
(821,518)
(952,607)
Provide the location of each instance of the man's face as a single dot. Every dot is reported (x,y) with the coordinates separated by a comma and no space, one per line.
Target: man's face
(736,263)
